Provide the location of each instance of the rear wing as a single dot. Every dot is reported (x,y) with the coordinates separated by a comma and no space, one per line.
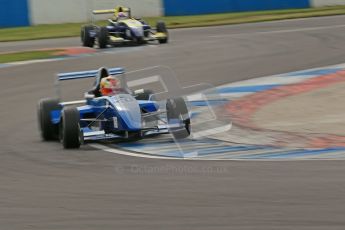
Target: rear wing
(114,11)
(87,74)
(109,11)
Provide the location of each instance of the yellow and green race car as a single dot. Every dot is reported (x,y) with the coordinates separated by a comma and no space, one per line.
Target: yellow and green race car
(121,29)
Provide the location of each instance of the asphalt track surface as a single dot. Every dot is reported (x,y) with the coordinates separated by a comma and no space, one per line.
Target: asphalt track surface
(45,187)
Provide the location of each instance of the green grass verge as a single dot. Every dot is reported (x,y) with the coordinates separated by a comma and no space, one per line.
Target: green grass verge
(27,55)
(73,29)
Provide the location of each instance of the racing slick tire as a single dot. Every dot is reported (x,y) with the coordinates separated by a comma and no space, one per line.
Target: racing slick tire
(70,134)
(48,130)
(86,39)
(144,94)
(139,40)
(161,28)
(103,37)
(177,113)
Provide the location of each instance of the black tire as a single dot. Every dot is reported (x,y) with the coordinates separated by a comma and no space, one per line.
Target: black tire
(161,28)
(139,40)
(177,111)
(48,130)
(103,37)
(70,128)
(144,95)
(86,39)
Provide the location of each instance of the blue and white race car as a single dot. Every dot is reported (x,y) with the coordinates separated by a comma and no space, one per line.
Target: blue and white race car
(127,115)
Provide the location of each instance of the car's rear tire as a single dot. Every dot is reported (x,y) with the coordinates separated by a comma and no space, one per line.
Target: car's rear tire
(177,114)
(86,39)
(48,130)
(70,134)
(103,37)
(145,94)
(161,28)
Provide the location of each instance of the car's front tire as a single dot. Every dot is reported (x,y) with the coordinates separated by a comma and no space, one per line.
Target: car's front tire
(48,130)
(70,134)
(161,28)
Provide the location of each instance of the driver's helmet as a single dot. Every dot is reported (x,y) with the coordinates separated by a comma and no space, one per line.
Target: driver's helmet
(121,15)
(109,86)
